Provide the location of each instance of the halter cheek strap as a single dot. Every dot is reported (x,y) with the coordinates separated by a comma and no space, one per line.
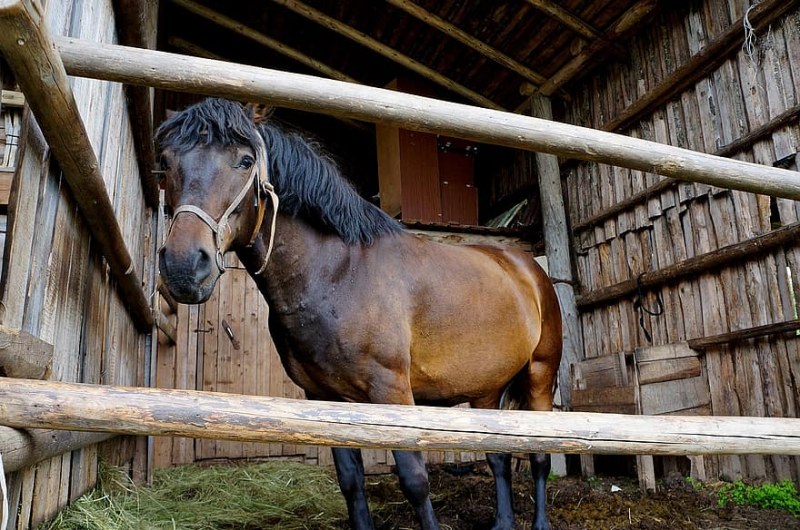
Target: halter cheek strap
(259,176)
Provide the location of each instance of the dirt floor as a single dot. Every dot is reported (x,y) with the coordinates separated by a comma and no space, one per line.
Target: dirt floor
(466,502)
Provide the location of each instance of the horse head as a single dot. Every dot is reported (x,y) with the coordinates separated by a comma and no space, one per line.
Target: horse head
(216,188)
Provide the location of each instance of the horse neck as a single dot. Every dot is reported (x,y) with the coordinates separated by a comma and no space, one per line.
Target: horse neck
(293,262)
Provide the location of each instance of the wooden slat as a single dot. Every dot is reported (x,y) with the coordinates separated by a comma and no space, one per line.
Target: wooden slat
(701,64)
(61,122)
(703,263)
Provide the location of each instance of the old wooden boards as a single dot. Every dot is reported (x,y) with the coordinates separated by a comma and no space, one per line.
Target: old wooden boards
(28,403)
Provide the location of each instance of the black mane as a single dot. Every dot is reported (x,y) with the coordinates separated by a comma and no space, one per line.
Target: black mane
(308,183)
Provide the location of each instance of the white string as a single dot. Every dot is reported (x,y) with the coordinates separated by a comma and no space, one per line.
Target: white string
(749,44)
(4,494)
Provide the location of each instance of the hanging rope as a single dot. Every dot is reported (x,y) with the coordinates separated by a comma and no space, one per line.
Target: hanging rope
(4,495)
(638,305)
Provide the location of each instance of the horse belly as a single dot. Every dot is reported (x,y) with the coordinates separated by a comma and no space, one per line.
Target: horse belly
(470,362)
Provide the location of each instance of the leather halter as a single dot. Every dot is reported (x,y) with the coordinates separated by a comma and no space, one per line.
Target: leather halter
(259,178)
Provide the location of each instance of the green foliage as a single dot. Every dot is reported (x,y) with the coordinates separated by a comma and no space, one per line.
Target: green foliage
(780,496)
(696,484)
(281,495)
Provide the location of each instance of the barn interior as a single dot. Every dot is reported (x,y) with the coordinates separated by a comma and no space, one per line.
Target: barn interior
(679,295)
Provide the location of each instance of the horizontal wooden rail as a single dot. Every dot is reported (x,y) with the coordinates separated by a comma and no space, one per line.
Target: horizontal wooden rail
(739,335)
(759,133)
(720,257)
(191,74)
(23,448)
(148,411)
(28,48)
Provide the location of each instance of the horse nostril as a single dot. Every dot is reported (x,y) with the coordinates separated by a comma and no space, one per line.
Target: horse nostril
(202,264)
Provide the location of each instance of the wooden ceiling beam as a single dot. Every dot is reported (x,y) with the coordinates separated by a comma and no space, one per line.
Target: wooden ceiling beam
(568,19)
(465,38)
(386,51)
(264,40)
(576,66)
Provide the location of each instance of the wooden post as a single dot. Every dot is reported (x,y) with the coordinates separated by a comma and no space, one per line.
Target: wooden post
(559,263)
(136,26)
(27,47)
(557,249)
(313,94)
(216,415)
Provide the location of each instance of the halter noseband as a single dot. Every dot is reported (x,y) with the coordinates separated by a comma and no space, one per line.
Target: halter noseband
(259,177)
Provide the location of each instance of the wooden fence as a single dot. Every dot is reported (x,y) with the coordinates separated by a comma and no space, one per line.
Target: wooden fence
(725,263)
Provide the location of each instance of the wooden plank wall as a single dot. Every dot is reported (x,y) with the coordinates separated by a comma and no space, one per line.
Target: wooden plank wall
(755,377)
(58,288)
(207,358)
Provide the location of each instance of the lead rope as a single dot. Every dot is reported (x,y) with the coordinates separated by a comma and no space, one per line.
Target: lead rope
(265,186)
(4,494)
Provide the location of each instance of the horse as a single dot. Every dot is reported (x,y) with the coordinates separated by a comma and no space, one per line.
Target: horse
(360,309)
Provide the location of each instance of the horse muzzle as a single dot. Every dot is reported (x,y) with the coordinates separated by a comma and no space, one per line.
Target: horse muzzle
(190,274)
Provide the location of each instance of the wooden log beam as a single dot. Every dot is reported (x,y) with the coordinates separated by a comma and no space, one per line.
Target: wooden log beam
(23,355)
(715,259)
(176,72)
(130,17)
(629,21)
(159,412)
(468,40)
(393,55)
(22,448)
(565,17)
(166,326)
(28,48)
(704,343)
(701,64)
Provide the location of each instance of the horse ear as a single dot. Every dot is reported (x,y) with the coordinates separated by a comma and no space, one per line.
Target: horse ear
(260,112)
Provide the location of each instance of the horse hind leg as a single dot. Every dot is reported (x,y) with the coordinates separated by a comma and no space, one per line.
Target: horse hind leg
(500,466)
(542,373)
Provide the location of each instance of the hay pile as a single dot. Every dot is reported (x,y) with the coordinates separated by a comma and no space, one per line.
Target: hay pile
(281,495)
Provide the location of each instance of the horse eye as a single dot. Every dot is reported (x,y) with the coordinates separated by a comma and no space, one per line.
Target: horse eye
(246,162)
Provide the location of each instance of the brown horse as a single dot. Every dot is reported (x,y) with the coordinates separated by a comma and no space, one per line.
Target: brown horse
(360,310)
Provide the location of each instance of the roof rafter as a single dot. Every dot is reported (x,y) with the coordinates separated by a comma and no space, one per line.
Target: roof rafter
(465,38)
(386,51)
(260,38)
(565,17)
(624,23)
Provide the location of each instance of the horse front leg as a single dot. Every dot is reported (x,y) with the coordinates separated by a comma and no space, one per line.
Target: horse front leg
(350,472)
(414,483)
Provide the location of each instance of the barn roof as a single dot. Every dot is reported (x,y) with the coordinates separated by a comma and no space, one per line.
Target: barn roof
(485,52)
